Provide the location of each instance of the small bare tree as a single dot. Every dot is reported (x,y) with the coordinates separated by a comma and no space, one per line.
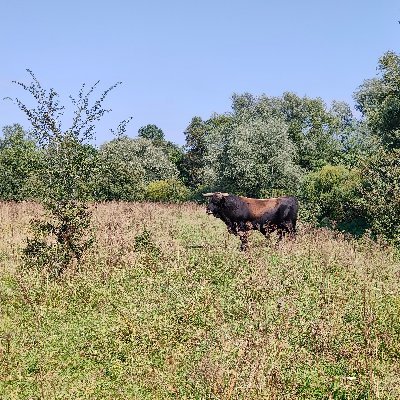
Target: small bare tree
(67,164)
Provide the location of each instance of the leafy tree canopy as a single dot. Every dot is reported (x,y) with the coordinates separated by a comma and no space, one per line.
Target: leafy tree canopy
(251,156)
(313,128)
(19,163)
(151,132)
(127,166)
(378,99)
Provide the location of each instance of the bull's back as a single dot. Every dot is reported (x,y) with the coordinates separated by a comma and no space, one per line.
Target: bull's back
(257,208)
(276,208)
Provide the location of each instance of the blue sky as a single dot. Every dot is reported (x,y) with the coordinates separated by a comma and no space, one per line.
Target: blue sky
(180,59)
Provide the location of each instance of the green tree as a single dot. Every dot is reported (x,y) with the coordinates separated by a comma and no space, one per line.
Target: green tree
(252,157)
(174,152)
(330,197)
(198,134)
(380,193)
(19,163)
(193,160)
(378,99)
(312,127)
(127,166)
(151,132)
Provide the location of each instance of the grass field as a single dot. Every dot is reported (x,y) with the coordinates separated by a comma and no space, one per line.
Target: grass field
(165,306)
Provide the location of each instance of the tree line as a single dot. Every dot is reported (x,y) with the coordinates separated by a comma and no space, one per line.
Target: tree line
(343,167)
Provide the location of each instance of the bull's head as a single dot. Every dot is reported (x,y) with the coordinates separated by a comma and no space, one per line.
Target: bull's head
(216,200)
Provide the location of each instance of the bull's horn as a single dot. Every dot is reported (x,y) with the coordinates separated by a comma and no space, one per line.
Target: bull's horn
(217,193)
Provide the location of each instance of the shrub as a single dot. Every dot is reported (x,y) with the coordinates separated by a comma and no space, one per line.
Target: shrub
(19,162)
(128,165)
(63,239)
(66,167)
(380,191)
(330,197)
(168,190)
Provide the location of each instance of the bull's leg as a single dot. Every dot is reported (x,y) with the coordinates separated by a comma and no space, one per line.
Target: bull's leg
(244,238)
(263,230)
(281,232)
(265,233)
(269,228)
(266,230)
(290,228)
(286,228)
(233,228)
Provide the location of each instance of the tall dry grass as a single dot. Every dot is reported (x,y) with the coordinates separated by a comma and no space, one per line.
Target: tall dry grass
(166,306)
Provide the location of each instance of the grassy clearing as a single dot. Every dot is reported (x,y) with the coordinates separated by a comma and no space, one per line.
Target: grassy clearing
(166,306)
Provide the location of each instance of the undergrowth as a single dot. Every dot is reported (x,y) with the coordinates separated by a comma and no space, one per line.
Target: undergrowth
(165,306)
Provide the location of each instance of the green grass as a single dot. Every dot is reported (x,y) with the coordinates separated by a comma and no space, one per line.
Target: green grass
(186,315)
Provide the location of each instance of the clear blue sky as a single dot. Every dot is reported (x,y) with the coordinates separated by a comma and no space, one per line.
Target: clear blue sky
(179,59)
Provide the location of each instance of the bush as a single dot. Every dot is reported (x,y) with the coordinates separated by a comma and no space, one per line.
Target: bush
(380,192)
(331,198)
(66,167)
(19,162)
(168,190)
(128,165)
(60,241)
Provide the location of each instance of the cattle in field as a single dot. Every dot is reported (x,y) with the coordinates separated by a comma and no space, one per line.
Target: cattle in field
(243,214)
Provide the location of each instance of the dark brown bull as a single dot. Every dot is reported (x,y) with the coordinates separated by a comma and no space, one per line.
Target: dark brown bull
(243,214)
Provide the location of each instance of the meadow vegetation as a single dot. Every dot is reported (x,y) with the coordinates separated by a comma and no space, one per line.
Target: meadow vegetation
(164,305)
